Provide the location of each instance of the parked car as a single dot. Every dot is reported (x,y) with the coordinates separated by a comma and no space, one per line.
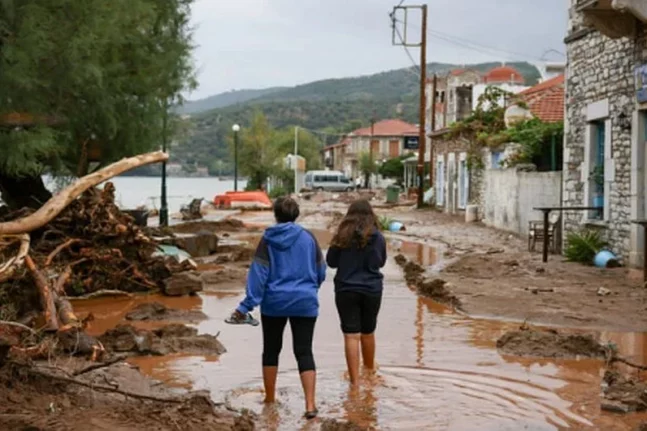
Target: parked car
(332,181)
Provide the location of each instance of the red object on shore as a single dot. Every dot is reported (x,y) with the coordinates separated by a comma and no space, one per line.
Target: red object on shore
(242,199)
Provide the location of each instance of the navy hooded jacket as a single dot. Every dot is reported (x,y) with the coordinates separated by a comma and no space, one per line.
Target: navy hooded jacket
(358,268)
(286,273)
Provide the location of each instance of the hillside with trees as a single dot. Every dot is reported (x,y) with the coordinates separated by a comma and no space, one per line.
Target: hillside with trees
(221,100)
(331,106)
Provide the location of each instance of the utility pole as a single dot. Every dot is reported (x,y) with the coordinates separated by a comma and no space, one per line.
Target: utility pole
(296,159)
(371,152)
(403,41)
(434,88)
(235,128)
(164,206)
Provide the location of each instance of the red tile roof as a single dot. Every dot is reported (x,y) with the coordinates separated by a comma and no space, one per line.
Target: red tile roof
(388,128)
(546,100)
(504,74)
(384,128)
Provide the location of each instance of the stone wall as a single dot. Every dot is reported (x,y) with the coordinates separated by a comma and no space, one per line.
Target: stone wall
(600,69)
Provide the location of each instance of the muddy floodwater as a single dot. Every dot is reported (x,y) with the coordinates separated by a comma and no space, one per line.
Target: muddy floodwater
(438,370)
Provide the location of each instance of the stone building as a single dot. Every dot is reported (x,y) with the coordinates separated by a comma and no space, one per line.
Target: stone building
(606,121)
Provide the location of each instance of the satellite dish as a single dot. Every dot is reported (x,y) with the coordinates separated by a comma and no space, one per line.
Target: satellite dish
(515,114)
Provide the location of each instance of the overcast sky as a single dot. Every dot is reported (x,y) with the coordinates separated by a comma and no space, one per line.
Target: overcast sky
(264,43)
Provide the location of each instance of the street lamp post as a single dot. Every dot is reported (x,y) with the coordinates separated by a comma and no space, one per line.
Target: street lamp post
(236,129)
(164,203)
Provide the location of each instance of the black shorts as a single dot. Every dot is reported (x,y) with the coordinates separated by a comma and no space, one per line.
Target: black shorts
(358,311)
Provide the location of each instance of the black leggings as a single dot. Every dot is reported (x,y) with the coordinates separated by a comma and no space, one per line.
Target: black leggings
(303,329)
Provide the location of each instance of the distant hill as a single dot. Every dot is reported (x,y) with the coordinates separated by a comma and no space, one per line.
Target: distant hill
(224,99)
(334,105)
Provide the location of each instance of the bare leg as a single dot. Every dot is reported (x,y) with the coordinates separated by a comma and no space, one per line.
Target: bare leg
(269,381)
(309,383)
(368,350)
(351,347)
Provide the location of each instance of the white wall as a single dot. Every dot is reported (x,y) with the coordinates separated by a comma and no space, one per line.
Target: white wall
(509,197)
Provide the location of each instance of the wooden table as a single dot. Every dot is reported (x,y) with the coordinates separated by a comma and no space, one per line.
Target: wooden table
(547,211)
(643,223)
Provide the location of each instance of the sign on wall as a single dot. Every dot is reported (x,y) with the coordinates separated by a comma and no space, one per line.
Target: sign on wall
(641,83)
(411,143)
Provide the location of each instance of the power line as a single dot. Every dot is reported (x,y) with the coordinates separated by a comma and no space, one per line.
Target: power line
(475,46)
(406,49)
(479,47)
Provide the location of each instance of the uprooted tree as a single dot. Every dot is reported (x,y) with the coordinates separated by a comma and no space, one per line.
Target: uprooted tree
(85,83)
(77,242)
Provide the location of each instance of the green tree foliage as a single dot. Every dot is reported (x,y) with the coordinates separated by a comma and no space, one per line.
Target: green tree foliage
(485,127)
(309,147)
(535,139)
(108,70)
(263,149)
(367,166)
(258,156)
(394,168)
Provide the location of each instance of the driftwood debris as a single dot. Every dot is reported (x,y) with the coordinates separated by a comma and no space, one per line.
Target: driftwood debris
(77,244)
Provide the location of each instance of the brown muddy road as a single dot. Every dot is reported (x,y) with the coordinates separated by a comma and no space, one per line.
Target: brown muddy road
(438,370)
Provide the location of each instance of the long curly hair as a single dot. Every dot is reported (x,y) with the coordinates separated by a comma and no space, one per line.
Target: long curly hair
(357,226)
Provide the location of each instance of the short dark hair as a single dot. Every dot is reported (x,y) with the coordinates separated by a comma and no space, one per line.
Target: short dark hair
(286,209)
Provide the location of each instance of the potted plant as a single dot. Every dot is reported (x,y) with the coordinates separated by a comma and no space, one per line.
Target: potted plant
(597,175)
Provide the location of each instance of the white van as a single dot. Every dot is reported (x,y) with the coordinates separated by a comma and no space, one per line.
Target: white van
(332,181)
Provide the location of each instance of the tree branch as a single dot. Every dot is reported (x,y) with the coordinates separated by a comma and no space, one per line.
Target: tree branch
(58,203)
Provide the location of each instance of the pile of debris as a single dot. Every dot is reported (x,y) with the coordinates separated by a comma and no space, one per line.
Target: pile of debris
(434,288)
(91,247)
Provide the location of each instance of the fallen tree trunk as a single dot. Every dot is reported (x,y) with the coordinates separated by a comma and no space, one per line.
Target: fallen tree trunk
(58,203)
(46,295)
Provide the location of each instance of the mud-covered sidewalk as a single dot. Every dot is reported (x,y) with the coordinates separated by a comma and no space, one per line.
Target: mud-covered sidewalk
(493,275)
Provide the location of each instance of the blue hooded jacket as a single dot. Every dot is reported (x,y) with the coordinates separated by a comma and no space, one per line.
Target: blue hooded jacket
(286,273)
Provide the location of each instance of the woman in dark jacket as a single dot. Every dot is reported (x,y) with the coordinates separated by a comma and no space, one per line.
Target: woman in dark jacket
(358,251)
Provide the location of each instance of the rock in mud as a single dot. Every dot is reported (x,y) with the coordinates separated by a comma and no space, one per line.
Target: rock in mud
(439,290)
(169,339)
(202,243)
(400,260)
(127,338)
(549,344)
(623,394)
(184,283)
(184,339)
(335,425)
(156,311)
(494,250)
(225,275)
(228,225)
(603,291)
